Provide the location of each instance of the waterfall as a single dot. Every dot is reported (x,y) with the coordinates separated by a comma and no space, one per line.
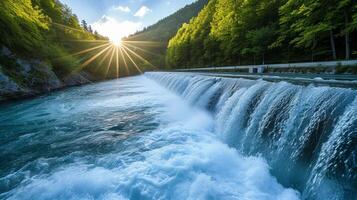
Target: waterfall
(308,134)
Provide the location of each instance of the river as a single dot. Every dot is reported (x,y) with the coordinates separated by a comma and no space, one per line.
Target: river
(156,136)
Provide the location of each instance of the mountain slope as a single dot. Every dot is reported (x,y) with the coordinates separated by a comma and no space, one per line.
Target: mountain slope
(154,39)
(166,28)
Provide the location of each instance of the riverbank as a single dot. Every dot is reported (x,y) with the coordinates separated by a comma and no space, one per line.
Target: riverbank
(13,89)
(29,78)
(23,78)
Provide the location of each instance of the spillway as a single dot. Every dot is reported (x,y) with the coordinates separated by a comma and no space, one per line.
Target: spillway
(308,134)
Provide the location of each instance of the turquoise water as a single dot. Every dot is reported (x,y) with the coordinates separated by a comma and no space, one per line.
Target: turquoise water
(123,139)
(306,133)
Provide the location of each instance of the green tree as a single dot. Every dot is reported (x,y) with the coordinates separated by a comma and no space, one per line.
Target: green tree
(187,47)
(161,32)
(22,26)
(226,30)
(310,22)
(258,41)
(43,30)
(90,29)
(349,22)
(84,25)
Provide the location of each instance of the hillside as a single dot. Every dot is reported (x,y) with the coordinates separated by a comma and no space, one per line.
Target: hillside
(166,28)
(155,38)
(39,41)
(233,32)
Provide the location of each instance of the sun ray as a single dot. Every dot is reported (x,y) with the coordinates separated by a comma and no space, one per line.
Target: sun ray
(125,64)
(88,41)
(136,66)
(94,57)
(110,62)
(117,61)
(83,51)
(88,61)
(143,42)
(141,58)
(104,49)
(146,51)
(133,52)
(67,27)
(106,55)
(89,49)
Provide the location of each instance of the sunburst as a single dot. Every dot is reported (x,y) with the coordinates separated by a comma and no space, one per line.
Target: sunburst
(114,53)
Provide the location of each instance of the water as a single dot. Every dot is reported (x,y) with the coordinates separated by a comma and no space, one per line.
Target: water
(128,139)
(307,134)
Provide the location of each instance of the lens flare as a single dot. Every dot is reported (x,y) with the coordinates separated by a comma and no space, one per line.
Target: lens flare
(117,42)
(113,53)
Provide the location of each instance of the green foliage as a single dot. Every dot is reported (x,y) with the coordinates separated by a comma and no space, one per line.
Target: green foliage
(164,30)
(22,26)
(44,30)
(224,31)
(230,32)
(192,34)
(306,21)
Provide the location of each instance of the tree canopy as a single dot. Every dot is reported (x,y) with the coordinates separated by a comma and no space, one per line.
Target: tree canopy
(231,32)
(155,38)
(45,30)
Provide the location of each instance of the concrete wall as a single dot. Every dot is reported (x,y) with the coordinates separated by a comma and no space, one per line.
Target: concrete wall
(260,68)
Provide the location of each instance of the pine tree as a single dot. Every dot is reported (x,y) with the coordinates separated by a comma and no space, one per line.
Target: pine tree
(90,29)
(84,25)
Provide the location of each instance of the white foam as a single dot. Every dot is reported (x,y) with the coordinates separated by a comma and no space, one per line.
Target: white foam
(183,159)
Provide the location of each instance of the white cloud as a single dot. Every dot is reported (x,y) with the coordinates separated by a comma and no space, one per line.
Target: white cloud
(122,8)
(142,11)
(115,30)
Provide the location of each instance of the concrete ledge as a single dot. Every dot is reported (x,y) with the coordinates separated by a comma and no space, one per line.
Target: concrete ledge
(261,68)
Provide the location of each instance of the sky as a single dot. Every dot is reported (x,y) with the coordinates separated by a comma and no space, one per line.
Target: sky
(119,18)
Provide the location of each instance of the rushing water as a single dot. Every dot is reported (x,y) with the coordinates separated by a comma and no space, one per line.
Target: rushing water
(308,134)
(123,139)
(177,136)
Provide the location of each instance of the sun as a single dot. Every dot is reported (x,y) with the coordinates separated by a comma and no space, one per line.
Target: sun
(117,42)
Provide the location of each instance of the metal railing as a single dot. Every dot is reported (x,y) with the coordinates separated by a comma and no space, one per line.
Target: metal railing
(327,64)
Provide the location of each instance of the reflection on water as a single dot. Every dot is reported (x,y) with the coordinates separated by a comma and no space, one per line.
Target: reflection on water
(122,139)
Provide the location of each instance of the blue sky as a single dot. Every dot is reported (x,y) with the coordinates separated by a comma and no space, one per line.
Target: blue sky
(118,18)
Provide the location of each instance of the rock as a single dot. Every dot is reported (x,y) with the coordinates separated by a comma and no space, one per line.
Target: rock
(6,84)
(43,78)
(30,77)
(78,79)
(25,65)
(25,77)
(9,88)
(6,52)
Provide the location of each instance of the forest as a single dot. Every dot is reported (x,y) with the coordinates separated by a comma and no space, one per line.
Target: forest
(204,33)
(45,31)
(155,38)
(234,32)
